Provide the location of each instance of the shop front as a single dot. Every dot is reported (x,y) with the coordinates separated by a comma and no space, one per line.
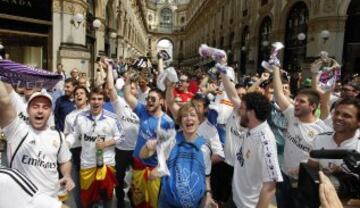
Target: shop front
(25,31)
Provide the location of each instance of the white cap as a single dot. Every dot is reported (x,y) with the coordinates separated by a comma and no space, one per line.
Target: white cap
(42,93)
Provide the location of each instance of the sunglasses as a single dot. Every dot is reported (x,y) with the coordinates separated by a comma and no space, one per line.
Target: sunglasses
(151,99)
(183,80)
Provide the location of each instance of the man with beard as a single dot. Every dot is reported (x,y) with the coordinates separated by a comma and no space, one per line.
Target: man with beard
(145,187)
(65,104)
(97,129)
(302,128)
(33,148)
(346,134)
(251,151)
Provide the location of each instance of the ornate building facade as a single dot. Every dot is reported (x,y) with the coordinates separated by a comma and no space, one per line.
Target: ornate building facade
(75,32)
(71,32)
(246,29)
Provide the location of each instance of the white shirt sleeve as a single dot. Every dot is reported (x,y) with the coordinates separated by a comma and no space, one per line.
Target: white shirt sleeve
(121,107)
(15,132)
(74,134)
(118,132)
(230,150)
(64,152)
(289,113)
(67,125)
(17,101)
(207,158)
(270,164)
(215,144)
(328,121)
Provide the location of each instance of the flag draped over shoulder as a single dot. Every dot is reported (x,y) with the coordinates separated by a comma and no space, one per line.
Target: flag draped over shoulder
(24,76)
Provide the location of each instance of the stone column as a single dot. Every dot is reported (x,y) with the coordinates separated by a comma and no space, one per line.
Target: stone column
(69,37)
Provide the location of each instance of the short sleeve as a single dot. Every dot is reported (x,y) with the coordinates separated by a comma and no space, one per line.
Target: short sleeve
(67,126)
(215,144)
(15,131)
(270,165)
(207,158)
(121,108)
(118,131)
(289,113)
(139,109)
(328,121)
(64,152)
(230,149)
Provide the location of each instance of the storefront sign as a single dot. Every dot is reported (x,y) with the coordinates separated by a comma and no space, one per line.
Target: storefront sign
(36,9)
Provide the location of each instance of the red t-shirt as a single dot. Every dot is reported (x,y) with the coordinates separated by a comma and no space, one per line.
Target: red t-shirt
(193,86)
(183,96)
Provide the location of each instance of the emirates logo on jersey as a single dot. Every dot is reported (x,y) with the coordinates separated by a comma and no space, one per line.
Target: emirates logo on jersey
(38,162)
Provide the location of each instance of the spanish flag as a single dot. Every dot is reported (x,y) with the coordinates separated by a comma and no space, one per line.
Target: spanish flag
(144,191)
(97,183)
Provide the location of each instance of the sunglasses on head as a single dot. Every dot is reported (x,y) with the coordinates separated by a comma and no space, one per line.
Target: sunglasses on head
(150,98)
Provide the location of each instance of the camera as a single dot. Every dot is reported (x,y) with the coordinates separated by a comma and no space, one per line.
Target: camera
(347,184)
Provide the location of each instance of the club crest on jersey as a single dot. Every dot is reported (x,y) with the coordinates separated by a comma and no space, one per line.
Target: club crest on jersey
(311,133)
(55,143)
(247,154)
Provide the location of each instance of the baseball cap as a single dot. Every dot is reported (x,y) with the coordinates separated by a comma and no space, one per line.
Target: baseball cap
(42,93)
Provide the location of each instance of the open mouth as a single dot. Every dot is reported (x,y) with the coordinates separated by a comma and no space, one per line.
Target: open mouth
(96,107)
(189,125)
(39,118)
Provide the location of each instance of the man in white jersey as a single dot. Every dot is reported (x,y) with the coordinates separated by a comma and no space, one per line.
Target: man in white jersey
(97,129)
(130,122)
(35,149)
(81,102)
(20,192)
(253,152)
(302,128)
(346,135)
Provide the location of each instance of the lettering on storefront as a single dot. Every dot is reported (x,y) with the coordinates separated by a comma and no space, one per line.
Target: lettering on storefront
(23,3)
(34,9)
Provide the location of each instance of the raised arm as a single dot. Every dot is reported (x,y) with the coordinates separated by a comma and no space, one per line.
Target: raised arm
(129,97)
(255,87)
(279,95)
(324,96)
(110,83)
(230,90)
(7,111)
(173,106)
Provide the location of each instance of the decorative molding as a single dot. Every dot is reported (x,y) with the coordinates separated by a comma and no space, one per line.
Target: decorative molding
(69,6)
(73,54)
(329,6)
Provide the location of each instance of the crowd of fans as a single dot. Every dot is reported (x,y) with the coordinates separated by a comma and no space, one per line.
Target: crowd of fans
(212,139)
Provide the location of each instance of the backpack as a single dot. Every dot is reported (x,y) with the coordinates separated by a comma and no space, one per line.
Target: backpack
(185,186)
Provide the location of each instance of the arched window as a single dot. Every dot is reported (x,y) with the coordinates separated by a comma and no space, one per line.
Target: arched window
(295,47)
(351,51)
(264,46)
(166,18)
